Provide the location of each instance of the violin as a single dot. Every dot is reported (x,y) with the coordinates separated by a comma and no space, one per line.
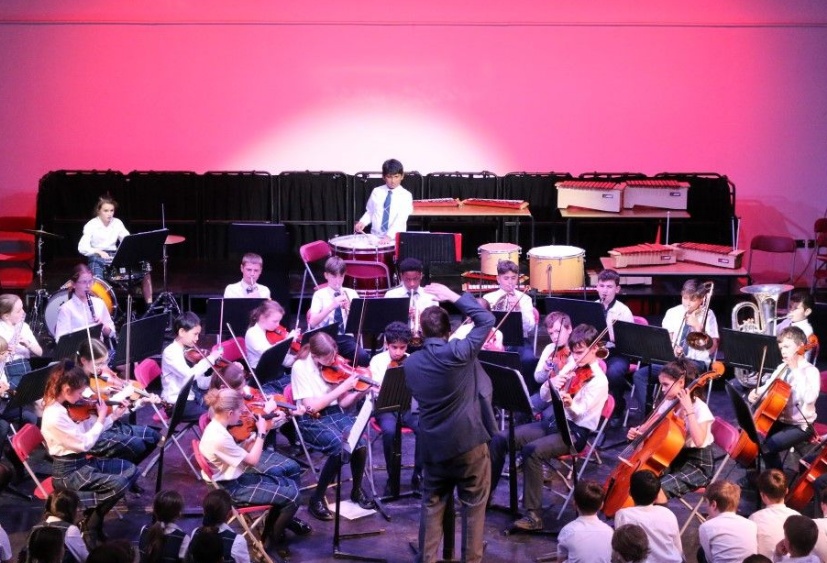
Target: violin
(581,376)
(341,370)
(85,408)
(812,344)
(195,355)
(277,335)
(247,425)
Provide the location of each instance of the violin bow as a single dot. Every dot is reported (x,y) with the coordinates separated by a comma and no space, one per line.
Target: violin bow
(510,310)
(246,361)
(359,331)
(221,323)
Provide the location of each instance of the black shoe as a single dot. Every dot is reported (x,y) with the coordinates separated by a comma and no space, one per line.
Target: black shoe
(416,482)
(359,497)
(318,510)
(299,527)
(136,488)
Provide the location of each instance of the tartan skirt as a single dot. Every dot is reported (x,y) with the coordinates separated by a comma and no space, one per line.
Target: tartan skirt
(692,469)
(273,480)
(95,480)
(328,432)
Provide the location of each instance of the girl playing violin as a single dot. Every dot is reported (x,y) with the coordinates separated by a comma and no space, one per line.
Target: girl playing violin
(83,309)
(694,465)
(251,475)
(583,388)
(99,482)
(266,331)
(18,335)
(175,370)
(553,358)
(122,440)
(794,424)
(327,431)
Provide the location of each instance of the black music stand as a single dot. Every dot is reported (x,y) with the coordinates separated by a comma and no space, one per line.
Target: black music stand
(580,311)
(394,397)
(31,387)
(147,339)
(236,312)
(67,346)
(430,248)
(331,329)
(510,395)
(649,344)
(269,366)
(745,350)
(510,360)
(511,327)
(743,415)
(140,247)
(379,313)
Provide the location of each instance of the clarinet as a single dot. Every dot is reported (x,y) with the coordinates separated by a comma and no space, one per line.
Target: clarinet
(111,339)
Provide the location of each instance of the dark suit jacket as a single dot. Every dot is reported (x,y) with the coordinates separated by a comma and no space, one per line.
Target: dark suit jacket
(453,391)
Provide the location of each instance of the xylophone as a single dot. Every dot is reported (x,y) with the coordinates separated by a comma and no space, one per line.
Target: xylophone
(645,254)
(709,254)
(500,203)
(655,192)
(590,194)
(437,202)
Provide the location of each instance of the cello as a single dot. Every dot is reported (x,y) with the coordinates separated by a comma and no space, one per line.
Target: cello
(802,489)
(654,450)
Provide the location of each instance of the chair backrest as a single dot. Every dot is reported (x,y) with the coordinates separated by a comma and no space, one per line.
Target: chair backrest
(206,469)
(203,421)
(234,351)
(608,408)
(724,434)
(316,250)
(640,320)
(26,441)
(147,371)
(360,269)
(820,226)
(772,243)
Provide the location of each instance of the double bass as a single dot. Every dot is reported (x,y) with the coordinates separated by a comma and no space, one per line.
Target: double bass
(654,450)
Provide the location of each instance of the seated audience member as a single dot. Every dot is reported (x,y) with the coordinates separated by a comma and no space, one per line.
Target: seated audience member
(630,544)
(586,539)
(208,547)
(217,506)
(800,536)
(820,550)
(115,551)
(725,537)
(772,487)
(45,545)
(163,541)
(659,522)
(757,558)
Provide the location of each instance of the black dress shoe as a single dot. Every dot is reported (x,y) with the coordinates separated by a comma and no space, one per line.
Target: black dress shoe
(359,497)
(318,510)
(299,527)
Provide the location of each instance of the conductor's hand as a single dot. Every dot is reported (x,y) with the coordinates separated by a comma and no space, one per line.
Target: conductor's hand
(359,227)
(442,292)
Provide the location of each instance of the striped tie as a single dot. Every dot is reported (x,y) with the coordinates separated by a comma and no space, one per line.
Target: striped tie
(386,213)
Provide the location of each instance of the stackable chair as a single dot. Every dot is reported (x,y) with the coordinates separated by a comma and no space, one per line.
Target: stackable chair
(313,252)
(24,442)
(234,351)
(376,272)
(771,244)
(725,436)
(820,252)
(249,517)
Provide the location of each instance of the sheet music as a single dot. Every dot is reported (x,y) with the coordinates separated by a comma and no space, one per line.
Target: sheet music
(359,426)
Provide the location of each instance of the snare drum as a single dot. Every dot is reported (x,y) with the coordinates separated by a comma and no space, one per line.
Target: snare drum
(99,289)
(493,252)
(555,268)
(366,248)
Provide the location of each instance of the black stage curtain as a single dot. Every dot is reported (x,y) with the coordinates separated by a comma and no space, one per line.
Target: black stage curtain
(462,185)
(538,189)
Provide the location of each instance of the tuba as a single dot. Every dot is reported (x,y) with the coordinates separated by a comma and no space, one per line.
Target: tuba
(763,319)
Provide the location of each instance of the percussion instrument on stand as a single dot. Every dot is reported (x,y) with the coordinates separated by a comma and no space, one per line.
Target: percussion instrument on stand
(491,254)
(556,268)
(165,303)
(37,318)
(365,248)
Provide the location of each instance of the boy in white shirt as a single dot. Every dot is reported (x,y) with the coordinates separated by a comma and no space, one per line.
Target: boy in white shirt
(251,266)
(800,536)
(726,537)
(586,539)
(388,206)
(617,366)
(772,487)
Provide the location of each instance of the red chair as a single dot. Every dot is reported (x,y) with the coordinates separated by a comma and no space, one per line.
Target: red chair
(146,372)
(313,252)
(24,443)
(771,245)
(820,253)
(374,275)
(234,351)
(17,252)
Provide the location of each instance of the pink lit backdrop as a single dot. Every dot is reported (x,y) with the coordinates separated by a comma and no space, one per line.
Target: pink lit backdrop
(612,86)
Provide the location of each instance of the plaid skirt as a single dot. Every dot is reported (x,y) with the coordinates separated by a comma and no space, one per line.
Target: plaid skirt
(692,469)
(274,480)
(328,432)
(126,441)
(95,480)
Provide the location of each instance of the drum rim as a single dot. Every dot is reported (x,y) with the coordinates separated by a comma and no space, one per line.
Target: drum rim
(580,251)
(514,248)
(336,241)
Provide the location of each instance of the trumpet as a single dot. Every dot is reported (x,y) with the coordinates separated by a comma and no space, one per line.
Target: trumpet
(416,332)
(700,340)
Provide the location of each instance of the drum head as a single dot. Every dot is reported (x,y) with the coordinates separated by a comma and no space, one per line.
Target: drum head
(555,251)
(52,307)
(359,242)
(499,248)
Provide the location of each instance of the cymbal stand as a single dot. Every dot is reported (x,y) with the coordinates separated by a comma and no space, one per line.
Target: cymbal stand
(41,297)
(166,300)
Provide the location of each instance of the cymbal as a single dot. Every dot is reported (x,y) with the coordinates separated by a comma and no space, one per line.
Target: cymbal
(174,239)
(39,233)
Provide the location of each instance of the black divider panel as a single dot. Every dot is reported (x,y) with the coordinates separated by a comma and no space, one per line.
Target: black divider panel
(538,189)
(66,200)
(711,203)
(180,194)
(315,205)
(364,182)
(233,197)
(462,185)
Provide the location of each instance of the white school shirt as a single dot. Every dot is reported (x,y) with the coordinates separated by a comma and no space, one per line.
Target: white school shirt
(255,340)
(401,208)
(421,298)
(220,449)
(73,540)
(805,383)
(74,314)
(97,236)
(175,372)
(728,538)
(770,522)
(586,539)
(5,546)
(324,298)
(673,321)
(661,527)
(702,414)
(587,403)
(526,308)
(64,436)
(7,333)
(239,290)
(307,381)
(619,312)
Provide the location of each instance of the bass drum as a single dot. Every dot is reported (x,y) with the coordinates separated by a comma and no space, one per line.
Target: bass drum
(99,289)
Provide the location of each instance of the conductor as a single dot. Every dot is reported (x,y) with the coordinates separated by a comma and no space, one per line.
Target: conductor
(456,421)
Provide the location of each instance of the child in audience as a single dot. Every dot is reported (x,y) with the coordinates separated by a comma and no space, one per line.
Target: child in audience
(630,544)
(251,266)
(587,539)
(659,523)
(163,541)
(820,550)
(217,507)
(800,536)
(61,512)
(725,537)
(772,487)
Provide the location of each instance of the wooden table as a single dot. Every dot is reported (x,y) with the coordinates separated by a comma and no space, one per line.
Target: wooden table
(510,217)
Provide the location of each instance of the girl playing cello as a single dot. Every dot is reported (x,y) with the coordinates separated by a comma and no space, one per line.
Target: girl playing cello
(694,464)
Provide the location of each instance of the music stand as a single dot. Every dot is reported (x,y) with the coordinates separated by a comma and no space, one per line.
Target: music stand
(236,312)
(271,241)
(745,349)
(510,360)
(394,397)
(331,329)
(147,339)
(511,327)
(743,415)
(510,395)
(269,366)
(67,346)
(379,313)
(649,344)
(430,248)
(31,387)
(580,311)
(140,247)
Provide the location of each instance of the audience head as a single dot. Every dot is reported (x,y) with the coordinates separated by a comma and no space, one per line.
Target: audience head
(772,485)
(630,544)
(206,546)
(757,558)
(45,545)
(113,551)
(166,508)
(801,535)
(588,497)
(63,504)
(644,487)
(725,494)
(217,506)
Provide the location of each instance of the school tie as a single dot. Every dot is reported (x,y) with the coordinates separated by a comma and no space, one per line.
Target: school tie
(338,318)
(386,213)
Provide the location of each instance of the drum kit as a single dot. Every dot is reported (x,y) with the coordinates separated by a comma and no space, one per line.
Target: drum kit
(44,311)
